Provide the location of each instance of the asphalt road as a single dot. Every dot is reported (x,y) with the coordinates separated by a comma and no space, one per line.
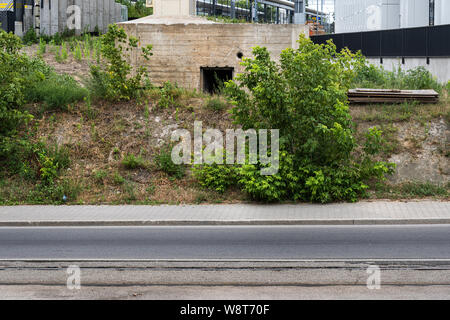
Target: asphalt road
(238,242)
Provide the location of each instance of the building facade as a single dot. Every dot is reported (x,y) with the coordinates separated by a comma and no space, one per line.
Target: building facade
(370,15)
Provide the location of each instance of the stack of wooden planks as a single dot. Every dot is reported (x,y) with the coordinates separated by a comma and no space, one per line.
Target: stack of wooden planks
(391,96)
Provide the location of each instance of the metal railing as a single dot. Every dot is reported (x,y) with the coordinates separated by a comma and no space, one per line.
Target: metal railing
(7,6)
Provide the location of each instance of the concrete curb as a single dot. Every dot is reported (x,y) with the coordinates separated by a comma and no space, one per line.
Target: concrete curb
(129,223)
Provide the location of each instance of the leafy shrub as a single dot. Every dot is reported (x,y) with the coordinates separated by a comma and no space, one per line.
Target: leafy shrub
(215,177)
(318,159)
(30,37)
(130,161)
(56,92)
(12,84)
(164,163)
(116,81)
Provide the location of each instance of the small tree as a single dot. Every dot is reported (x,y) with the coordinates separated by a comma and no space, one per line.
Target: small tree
(115,82)
(305,97)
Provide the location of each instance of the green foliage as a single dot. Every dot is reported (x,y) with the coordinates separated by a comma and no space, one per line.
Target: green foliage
(216,104)
(169,95)
(130,161)
(136,9)
(114,82)
(164,163)
(56,92)
(12,84)
(215,177)
(412,190)
(370,76)
(118,179)
(33,160)
(42,47)
(77,52)
(30,37)
(100,176)
(305,97)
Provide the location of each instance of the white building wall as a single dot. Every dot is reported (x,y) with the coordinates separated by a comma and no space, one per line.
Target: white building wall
(442,9)
(366,15)
(414,13)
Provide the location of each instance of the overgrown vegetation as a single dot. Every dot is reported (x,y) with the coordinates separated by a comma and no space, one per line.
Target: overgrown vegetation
(136,9)
(371,76)
(60,145)
(320,160)
(114,81)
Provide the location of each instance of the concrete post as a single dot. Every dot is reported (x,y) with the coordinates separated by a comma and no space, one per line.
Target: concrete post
(45,18)
(93,15)
(112,11)
(18,28)
(299,12)
(118,12)
(100,15)
(54,15)
(233,9)
(62,15)
(27,19)
(105,15)
(37,17)
(79,4)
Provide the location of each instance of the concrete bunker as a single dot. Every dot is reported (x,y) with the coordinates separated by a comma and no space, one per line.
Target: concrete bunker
(189,50)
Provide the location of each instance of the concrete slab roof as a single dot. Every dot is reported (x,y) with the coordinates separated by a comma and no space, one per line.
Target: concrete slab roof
(168,20)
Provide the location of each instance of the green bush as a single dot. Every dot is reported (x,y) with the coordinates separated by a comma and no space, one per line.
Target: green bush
(116,82)
(56,92)
(30,37)
(320,160)
(215,177)
(164,163)
(12,84)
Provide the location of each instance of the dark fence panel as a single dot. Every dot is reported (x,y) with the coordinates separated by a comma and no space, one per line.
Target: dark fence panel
(7,20)
(439,40)
(411,42)
(371,42)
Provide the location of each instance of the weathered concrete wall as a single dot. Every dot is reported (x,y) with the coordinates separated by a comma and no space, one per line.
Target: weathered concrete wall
(180,50)
(439,67)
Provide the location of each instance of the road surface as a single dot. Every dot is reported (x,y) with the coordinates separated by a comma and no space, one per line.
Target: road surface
(227,243)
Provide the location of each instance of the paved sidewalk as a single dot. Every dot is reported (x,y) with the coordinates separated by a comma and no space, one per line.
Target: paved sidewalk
(379,212)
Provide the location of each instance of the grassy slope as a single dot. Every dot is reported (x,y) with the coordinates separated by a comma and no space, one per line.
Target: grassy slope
(101,136)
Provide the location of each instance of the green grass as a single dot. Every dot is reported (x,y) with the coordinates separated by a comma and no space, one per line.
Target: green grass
(131,162)
(412,190)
